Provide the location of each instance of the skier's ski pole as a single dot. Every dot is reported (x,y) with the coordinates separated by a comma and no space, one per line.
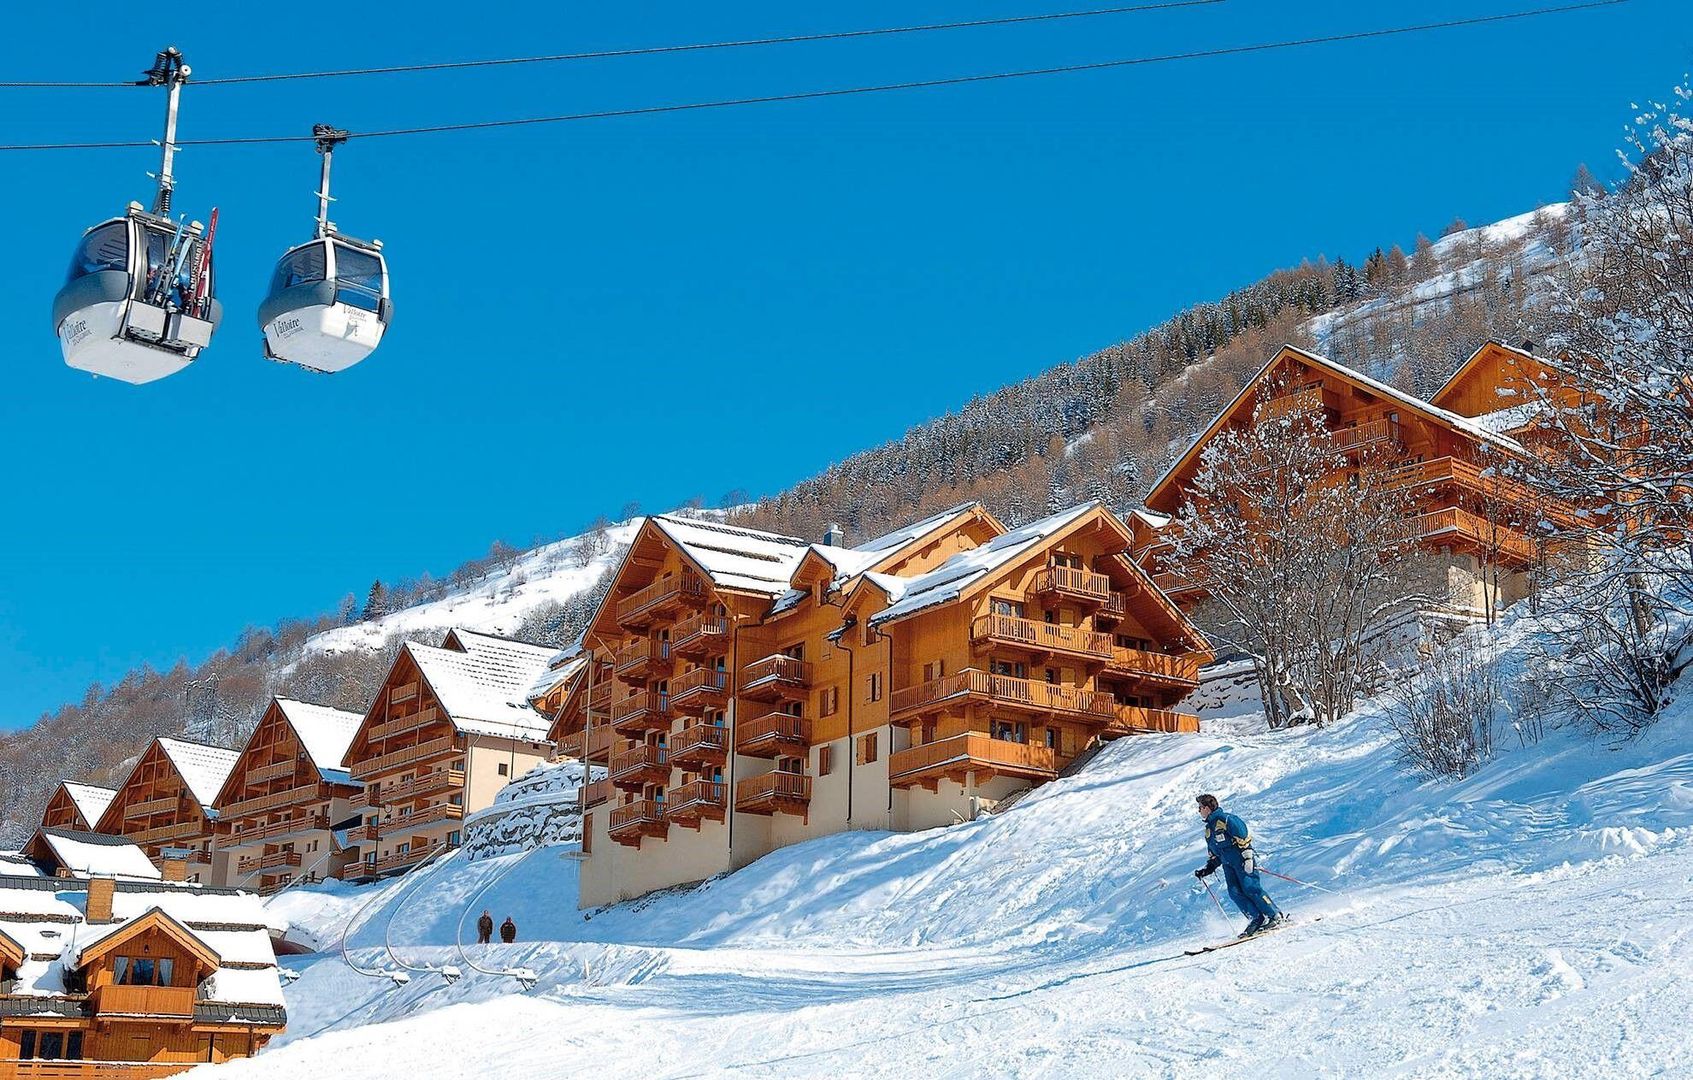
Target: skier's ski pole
(1210,892)
(1296,881)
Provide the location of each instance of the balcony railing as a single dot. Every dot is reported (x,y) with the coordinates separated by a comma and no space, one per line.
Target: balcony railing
(1132,719)
(1483,481)
(1071,583)
(647,709)
(699,689)
(1176,583)
(1306,399)
(699,746)
(699,635)
(773,734)
(642,657)
(400,758)
(90,1070)
(403,692)
(1496,537)
(401,724)
(640,606)
(599,698)
(422,819)
(632,821)
(971,751)
(429,783)
(1115,607)
(275,860)
(974,683)
(774,792)
(144,1001)
(402,858)
(638,766)
(696,800)
(1369,433)
(290,797)
(774,677)
(177,831)
(271,830)
(1041,636)
(272,771)
(1156,666)
(593,794)
(151,806)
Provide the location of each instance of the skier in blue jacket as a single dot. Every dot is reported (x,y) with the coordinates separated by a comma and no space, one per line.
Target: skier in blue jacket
(1230,845)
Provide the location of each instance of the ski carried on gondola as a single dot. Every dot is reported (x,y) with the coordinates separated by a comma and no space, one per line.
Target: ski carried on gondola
(1243,940)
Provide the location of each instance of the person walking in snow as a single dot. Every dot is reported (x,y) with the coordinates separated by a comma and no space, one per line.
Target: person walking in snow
(485,928)
(1230,844)
(508,931)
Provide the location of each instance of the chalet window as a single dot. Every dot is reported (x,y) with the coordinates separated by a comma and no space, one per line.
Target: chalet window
(825,760)
(828,701)
(793,708)
(142,971)
(867,748)
(790,765)
(796,651)
(1052,738)
(453,839)
(504,769)
(1012,669)
(875,686)
(50,1045)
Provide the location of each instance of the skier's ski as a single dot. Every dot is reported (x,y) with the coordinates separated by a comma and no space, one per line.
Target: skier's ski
(1243,940)
(203,273)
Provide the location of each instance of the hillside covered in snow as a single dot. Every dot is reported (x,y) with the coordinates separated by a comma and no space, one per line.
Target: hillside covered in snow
(1465,928)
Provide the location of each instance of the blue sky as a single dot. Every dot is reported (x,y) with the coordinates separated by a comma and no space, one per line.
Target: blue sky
(582,309)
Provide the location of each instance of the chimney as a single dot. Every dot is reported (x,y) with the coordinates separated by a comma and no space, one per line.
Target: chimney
(834,535)
(173,869)
(100,893)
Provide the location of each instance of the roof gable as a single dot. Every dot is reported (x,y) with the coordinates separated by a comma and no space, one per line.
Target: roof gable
(11,952)
(90,854)
(90,800)
(155,919)
(203,768)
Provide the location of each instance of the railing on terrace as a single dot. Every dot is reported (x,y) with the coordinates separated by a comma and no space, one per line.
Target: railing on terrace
(594,793)
(641,651)
(1367,434)
(776,668)
(422,819)
(707,736)
(698,632)
(174,1001)
(773,726)
(165,832)
(272,829)
(1070,581)
(683,586)
(428,783)
(402,858)
(151,806)
(640,812)
(272,861)
(401,724)
(1476,528)
(262,803)
(1139,718)
(272,771)
(1481,479)
(1005,689)
(773,785)
(645,756)
(973,748)
(372,766)
(1160,665)
(695,795)
(647,701)
(1306,399)
(1042,635)
(700,679)
(403,692)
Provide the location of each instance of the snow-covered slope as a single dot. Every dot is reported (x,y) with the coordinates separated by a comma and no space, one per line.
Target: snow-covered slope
(1528,921)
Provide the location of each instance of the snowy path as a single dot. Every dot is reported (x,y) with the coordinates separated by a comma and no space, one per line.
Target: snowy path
(1500,975)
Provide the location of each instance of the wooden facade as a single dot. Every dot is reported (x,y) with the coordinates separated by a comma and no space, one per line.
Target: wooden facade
(1478,522)
(805,703)
(278,809)
(158,808)
(76,806)
(425,758)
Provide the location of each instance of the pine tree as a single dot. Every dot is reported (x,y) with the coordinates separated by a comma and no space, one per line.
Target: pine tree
(1423,264)
(1398,267)
(376,602)
(1584,182)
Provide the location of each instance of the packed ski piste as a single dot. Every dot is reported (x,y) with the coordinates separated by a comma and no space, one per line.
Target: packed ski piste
(1519,922)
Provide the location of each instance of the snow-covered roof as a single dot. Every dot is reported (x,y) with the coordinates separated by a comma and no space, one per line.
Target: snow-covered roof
(741,560)
(47,917)
(87,854)
(849,563)
(203,768)
(90,800)
(325,733)
(559,670)
(484,688)
(1514,418)
(948,581)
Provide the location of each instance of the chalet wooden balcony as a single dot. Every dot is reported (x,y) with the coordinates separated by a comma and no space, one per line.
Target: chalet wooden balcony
(430,783)
(178,831)
(1464,529)
(422,819)
(276,770)
(593,794)
(599,698)
(697,691)
(774,793)
(91,1070)
(775,678)
(151,806)
(1372,434)
(701,635)
(274,830)
(1154,666)
(973,686)
(1068,583)
(397,860)
(633,821)
(411,755)
(276,860)
(1115,607)
(399,725)
(664,596)
(639,766)
(773,735)
(699,800)
(971,752)
(403,692)
(1450,472)
(593,745)
(642,659)
(1044,638)
(260,804)
(702,746)
(1135,720)
(1300,402)
(365,833)
(1178,585)
(143,1002)
(645,710)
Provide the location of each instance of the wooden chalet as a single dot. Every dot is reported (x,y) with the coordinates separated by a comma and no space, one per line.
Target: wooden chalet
(77,806)
(287,796)
(68,853)
(449,727)
(165,804)
(794,689)
(1472,516)
(104,978)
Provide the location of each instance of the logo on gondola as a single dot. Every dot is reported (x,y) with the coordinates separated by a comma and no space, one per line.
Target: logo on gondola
(288,327)
(75,331)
